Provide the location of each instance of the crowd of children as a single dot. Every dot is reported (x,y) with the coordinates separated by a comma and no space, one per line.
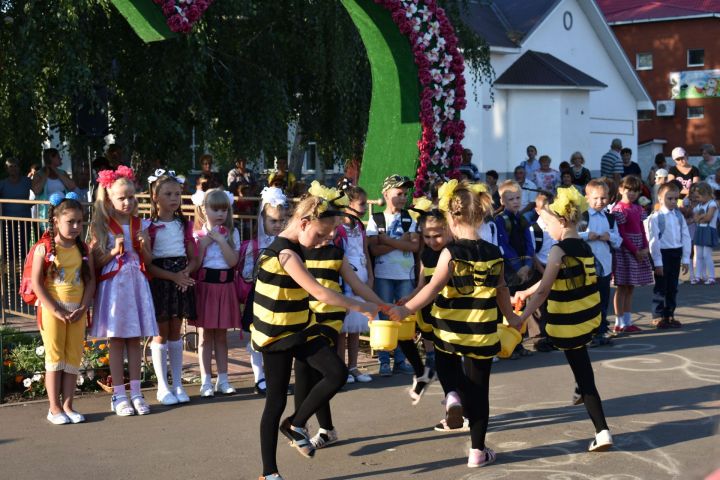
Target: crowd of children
(314,275)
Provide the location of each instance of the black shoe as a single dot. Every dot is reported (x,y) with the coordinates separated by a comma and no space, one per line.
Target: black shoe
(543,345)
(577,398)
(261,390)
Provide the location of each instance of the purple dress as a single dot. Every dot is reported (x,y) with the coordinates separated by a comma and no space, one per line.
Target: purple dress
(123,303)
(628,270)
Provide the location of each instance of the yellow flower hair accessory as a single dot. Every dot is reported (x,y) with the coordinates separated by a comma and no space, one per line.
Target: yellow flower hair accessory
(445,193)
(478,188)
(565,197)
(329,196)
(420,205)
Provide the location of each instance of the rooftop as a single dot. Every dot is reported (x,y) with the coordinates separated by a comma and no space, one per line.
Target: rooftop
(631,11)
(537,69)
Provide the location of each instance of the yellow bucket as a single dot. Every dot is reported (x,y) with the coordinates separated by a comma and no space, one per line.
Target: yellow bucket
(509,339)
(523,327)
(407,328)
(383,334)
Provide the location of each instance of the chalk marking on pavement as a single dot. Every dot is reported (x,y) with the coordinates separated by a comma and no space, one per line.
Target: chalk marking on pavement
(655,362)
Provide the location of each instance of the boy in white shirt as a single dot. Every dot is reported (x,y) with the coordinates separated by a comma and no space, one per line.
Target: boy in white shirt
(600,231)
(393,241)
(669,240)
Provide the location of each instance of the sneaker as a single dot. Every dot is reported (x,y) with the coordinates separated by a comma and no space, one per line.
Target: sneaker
(166,397)
(224,387)
(577,398)
(274,476)
(694,281)
(603,441)
(710,281)
(661,324)
(442,426)
(453,411)
(480,458)
(674,323)
(600,340)
(323,438)
(298,438)
(617,330)
(420,385)
(206,390)
(385,370)
(350,379)
(633,329)
(403,367)
(75,417)
(181,395)
(543,345)
(359,376)
(58,419)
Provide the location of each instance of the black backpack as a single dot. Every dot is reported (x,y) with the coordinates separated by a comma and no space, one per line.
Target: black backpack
(610,218)
(405,220)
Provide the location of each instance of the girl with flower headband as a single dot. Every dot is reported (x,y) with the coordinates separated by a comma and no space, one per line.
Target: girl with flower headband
(350,236)
(270,222)
(570,286)
(124,310)
(173,260)
(466,291)
(64,282)
(217,305)
(282,329)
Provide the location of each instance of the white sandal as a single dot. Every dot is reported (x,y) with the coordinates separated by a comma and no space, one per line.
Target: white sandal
(120,405)
(141,407)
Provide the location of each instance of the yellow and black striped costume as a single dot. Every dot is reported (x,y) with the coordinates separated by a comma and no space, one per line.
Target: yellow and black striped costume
(429,259)
(281,307)
(324,264)
(465,313)
(573,307)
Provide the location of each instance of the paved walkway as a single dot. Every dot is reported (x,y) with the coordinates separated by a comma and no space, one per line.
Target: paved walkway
(660,390)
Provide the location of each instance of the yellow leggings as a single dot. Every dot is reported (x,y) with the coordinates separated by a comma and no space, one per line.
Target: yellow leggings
(63,343)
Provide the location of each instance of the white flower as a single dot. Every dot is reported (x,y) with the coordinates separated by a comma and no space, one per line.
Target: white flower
(37,377)
(80,380)
(27,382)
(40,351)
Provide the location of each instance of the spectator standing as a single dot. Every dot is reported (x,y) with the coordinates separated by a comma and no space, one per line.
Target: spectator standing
(714,183)
(629,167)
(660,179)
(683,172)
(240,175)
(50,179)
(468,169)
(15,187)
(611,164)
(206,165)
(545,177)
(660,163)
(531,165)
(491,179)
(580,175)
(529,190)
(709,164)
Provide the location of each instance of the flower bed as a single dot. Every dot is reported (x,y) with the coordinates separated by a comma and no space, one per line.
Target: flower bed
(440,72)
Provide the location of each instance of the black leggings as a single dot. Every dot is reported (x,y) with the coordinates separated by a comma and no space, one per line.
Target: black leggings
(579,361)
(410,350)
(278,367)
(470,378)
(306,377)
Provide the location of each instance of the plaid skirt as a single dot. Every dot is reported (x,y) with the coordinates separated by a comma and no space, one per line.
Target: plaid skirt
(628,270)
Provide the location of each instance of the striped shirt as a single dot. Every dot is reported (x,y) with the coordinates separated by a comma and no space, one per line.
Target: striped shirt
(610,164)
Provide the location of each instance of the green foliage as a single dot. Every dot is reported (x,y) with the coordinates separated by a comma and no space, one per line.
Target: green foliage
(248,68)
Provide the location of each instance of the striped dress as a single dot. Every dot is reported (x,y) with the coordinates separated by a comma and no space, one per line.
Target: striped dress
(573,306)
(465,313)
(281,309)
(324,264)
(429,259)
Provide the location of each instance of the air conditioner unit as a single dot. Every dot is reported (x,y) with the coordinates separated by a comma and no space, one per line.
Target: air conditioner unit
(665,108)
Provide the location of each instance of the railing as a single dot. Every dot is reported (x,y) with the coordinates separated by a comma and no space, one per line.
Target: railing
(18,234)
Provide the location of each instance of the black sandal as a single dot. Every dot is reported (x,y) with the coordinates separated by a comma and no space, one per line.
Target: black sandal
(298,437)
(261,390)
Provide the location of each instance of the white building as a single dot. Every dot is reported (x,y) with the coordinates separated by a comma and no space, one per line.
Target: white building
(563,84)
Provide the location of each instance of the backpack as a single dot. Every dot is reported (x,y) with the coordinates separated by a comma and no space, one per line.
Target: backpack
(661,223)
(27,293)
(242,286)
(405,220)
(538,236)
(116,229)
(610,218)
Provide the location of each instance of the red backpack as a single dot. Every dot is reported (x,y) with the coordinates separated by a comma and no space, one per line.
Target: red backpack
(26,288)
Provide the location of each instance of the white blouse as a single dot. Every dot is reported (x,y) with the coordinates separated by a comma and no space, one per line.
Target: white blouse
(169,240)
(213,254)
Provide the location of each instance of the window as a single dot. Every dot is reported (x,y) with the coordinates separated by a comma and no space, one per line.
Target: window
(643,61)
(696,57)
(696,112)
(644,115)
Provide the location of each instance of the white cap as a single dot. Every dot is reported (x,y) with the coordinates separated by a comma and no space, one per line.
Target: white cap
(661,172)
(678,152)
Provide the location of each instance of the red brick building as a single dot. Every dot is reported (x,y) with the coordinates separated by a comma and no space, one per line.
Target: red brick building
(674,46)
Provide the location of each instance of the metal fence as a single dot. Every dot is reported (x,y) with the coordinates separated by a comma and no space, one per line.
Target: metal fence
(18,234)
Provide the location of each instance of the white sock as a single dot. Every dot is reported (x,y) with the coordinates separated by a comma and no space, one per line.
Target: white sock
(618,321)
(222,378)
(205,378)
(175,352)
(628,319)
(256,362)
(159,358)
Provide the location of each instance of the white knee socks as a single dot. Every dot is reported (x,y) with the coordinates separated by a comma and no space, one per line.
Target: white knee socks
(159,358)
(175,352)
(256,362)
